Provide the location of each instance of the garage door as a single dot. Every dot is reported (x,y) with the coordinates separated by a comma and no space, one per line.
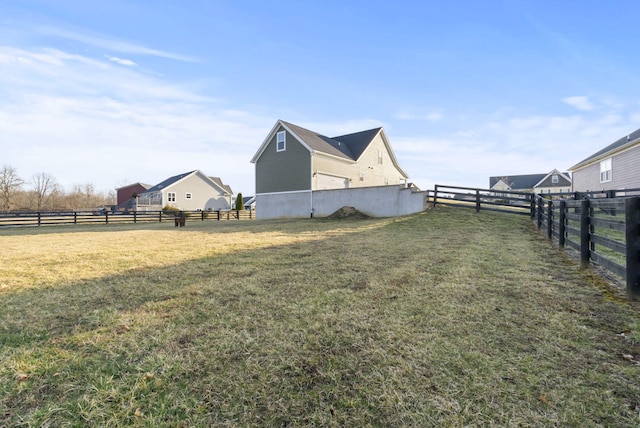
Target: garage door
(331,182)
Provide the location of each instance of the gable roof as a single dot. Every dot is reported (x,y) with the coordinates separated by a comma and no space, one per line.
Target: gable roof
(622,143)
(320,143)
(172,180)
(561,175)
(168,182)
(349,146)
(219,182)
(358,141)
(146,186)
(527,181)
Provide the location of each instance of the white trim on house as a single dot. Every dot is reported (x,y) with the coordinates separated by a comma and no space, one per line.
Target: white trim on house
(284,141)
(394,160)
(606,170)
(284,193)
(334,157)
(625,148)
(556,172)
(270,136)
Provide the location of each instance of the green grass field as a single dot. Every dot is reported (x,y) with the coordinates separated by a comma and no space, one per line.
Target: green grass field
(446,318)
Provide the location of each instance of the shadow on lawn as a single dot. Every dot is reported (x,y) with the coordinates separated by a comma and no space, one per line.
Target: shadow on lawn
(35,314)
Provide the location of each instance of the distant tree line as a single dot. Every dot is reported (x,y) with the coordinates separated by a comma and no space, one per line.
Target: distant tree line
(42,193)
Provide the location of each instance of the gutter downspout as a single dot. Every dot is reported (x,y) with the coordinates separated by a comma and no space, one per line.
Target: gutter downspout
(311,184)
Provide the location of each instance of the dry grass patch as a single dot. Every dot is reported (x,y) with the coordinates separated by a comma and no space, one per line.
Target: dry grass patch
(444,318)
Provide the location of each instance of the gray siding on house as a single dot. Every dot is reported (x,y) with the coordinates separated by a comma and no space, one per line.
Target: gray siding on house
(588,179)
(285,171)
(625,169)
(625,173)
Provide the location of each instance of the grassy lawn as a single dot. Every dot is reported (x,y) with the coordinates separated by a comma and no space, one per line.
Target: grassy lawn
(446,318)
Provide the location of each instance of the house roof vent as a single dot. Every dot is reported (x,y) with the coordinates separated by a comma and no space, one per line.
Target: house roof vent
(628,137)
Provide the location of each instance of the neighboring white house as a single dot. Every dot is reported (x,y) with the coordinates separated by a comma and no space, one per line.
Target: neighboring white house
(190,191)
(551,182)
(293,164)
(615,167)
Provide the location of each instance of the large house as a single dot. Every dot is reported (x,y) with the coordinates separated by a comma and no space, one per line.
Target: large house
(551,182)
(190,191)
(617,166)
(293,162)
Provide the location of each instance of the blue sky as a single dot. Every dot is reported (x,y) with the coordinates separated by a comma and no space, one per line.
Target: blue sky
(115,92)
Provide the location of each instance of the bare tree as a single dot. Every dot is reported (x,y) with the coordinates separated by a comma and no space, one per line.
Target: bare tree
(74,199)
(89,193)
(44,186)
(10,184)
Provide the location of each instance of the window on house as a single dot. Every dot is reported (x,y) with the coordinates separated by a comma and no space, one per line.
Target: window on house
(379,157)
(171,196)
(605,170)
(187,195)
(554,179)
(281,141)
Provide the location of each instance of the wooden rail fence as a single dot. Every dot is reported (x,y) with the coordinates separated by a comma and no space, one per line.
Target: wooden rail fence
(603,227)
(23,219)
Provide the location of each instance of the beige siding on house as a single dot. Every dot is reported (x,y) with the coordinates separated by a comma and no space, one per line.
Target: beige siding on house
(368,171)
(204,196)
(501,185)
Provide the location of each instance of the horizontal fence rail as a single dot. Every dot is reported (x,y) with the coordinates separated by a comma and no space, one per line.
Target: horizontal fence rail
(605,231)
(603,227)
(53,218)
(481,199)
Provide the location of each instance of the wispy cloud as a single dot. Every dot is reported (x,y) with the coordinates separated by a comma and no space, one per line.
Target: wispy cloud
(121,61)
(581,103)
(431,116)
(512,145)
(111,44)
(84,120)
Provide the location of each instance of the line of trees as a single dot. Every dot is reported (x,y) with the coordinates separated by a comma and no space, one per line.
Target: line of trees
(43,193)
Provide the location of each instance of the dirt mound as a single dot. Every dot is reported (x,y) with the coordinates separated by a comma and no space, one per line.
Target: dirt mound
(348,212)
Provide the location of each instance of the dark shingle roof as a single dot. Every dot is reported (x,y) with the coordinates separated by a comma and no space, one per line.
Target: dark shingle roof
(613,146)
(518,181)
(169,181)
(358,142)
(348,146)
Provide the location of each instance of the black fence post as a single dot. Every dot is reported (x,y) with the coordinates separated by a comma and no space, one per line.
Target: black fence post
(135,217)
(477,200)
(106,217)
(562,223)
(632,221)
(202,215)
(160,216)
(435,195)
(540,211)
(75,217)
(585,248)
(218,211)
(533,205)
(550,220)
